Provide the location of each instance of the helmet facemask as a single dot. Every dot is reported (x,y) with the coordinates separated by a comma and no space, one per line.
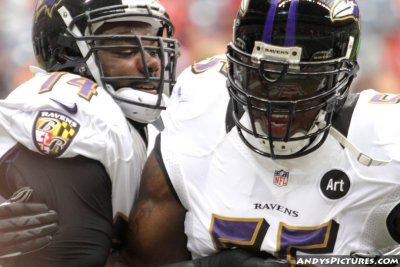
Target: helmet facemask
(86,40)
(285,95)
(141,97)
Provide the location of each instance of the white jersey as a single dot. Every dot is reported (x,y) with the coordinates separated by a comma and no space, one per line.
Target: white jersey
(65,115)
(322,203)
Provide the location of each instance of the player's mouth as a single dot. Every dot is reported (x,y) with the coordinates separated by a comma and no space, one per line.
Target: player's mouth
(279,125)
(150,88)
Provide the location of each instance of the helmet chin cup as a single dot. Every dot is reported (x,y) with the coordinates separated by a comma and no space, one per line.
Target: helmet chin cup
(280,149)
(286,148)
(127,97)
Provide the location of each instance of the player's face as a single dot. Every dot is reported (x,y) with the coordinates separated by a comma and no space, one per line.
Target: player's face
(282,95)
(301,123)
(283,99)
(128,61)
(280,119)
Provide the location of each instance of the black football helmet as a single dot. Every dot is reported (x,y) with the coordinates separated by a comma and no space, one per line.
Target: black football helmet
(291,63)
(64,39)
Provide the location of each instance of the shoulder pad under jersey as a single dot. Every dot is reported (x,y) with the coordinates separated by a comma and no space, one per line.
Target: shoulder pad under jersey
(374,128)
(195,117)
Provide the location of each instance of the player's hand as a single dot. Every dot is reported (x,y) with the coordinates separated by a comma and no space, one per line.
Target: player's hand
(25,227)
(232,258)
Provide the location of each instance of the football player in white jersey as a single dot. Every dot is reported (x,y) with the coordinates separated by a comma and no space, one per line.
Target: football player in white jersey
(74,136)
(265,149)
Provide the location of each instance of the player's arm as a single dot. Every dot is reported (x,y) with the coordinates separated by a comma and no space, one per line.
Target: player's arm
(156,223)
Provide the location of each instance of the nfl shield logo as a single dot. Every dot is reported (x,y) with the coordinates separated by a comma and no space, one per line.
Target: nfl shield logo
(281,178)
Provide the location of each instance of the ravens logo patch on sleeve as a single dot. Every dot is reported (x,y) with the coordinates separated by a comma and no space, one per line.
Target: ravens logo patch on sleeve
(53,132)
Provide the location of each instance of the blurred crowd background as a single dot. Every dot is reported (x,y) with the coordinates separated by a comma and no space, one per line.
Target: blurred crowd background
(204,28)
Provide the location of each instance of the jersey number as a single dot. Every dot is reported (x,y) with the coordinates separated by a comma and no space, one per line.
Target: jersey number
(87,88)
(210,63)
(385,99)
(250,232)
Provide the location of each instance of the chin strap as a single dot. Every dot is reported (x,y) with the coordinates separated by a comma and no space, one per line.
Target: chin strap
(361,157)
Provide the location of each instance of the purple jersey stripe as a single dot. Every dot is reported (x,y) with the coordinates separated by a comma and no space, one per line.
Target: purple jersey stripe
(291,23)
(50,3)
(239,231)
(269,23)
